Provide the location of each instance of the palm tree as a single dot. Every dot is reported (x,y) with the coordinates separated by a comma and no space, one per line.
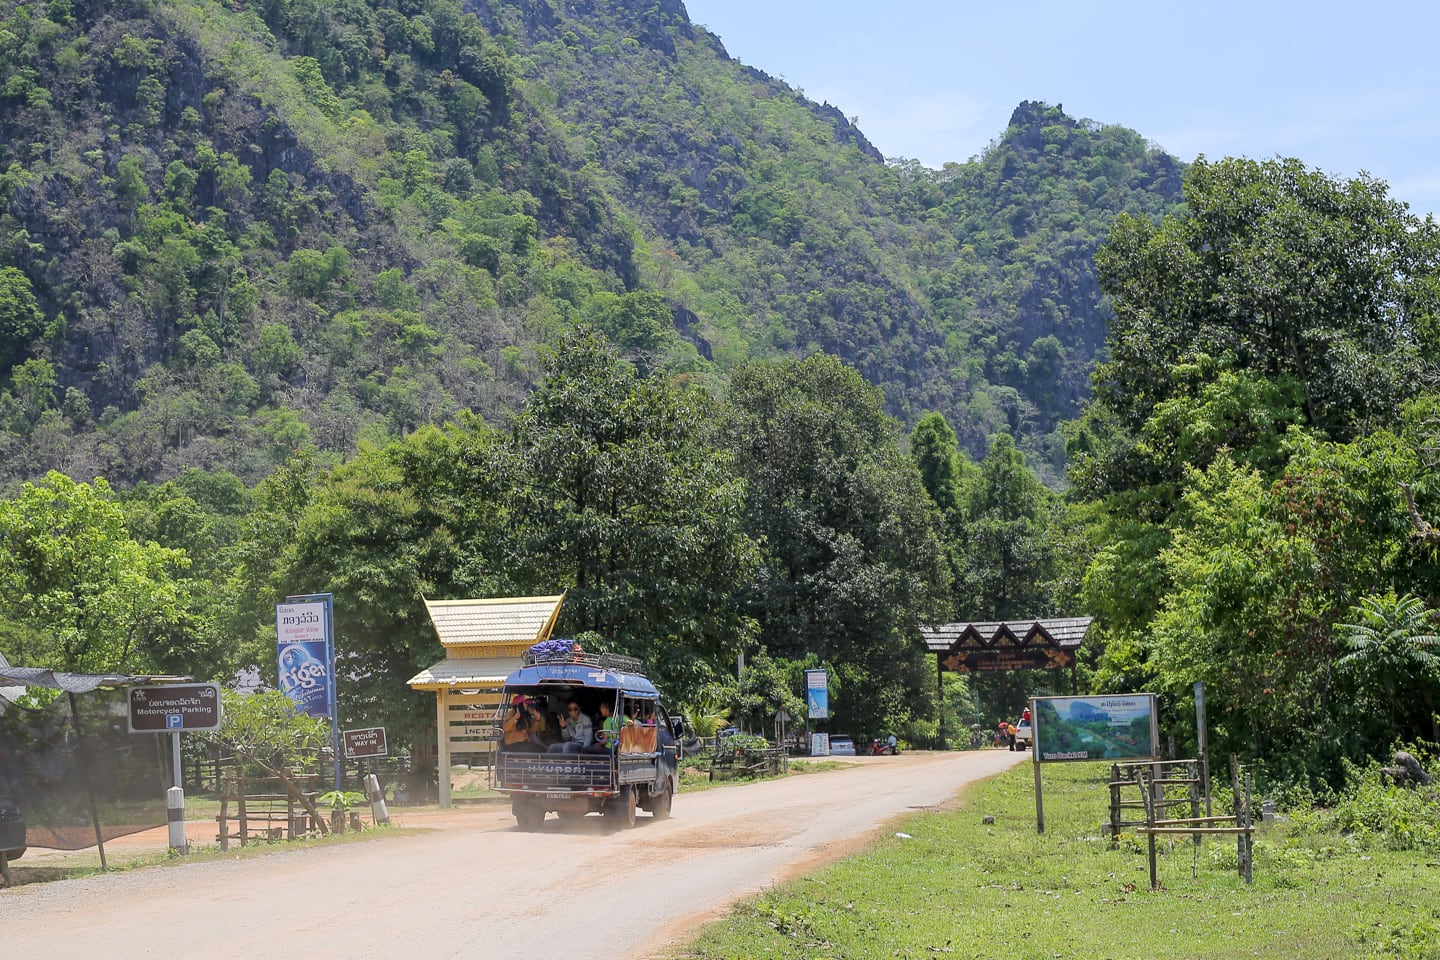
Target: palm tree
(1394,646)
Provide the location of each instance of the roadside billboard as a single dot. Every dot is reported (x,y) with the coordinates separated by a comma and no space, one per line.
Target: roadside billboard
(817,694)
(1117,727)
(302,649)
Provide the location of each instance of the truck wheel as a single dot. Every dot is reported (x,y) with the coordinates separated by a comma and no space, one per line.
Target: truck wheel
(529,815)
(660,806)
(622,806)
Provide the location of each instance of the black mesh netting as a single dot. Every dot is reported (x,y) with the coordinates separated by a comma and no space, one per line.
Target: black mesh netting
(50,769)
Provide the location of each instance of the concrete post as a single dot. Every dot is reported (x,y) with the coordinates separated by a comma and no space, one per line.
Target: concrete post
(377,799)
(175,811)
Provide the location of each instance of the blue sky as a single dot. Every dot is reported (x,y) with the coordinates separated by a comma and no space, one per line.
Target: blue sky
(1344,88)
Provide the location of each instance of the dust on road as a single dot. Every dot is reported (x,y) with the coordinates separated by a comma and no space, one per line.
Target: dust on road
(470,885)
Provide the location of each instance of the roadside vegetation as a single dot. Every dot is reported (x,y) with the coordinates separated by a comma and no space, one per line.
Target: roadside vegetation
(1352,877)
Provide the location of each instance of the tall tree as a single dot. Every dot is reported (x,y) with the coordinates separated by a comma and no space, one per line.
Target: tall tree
(1279,270)
(852,563)
(1003,547)
(619,497)
(417,518)
(937,453)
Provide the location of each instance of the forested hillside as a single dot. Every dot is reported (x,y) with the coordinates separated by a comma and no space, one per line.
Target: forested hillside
(228,232)
(397,301)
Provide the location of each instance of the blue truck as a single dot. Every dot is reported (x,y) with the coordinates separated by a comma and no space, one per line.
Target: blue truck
(634,765)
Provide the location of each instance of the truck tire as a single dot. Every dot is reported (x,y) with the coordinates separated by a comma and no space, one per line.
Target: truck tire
(529,815)
(622,806)
(660,805)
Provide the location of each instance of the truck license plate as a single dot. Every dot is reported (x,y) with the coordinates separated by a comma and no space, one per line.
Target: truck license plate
(557,796)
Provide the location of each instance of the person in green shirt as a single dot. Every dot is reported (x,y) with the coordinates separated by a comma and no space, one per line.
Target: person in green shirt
(609,729)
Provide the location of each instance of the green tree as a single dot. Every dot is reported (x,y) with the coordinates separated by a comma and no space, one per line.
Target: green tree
(419,517)
(1284,272)
(20,316)
(937,454)
(851,558)
(104,602)
(1393,649)
(1003,546)
(619,497)
(264,728)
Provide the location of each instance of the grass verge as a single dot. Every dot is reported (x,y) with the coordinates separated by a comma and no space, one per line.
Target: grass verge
(957,887)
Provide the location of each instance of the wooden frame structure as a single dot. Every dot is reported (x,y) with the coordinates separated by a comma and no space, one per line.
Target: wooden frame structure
(484,641)
(993,645)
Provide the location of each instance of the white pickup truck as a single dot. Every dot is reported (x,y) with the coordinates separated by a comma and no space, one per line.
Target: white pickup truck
(1024,738)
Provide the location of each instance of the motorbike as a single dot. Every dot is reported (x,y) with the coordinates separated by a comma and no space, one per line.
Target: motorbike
(880,748)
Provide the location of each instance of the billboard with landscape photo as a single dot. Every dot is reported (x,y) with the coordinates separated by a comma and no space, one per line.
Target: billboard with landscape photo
(1115,727)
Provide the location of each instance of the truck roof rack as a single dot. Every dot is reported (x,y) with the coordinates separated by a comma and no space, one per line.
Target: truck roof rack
(616,662)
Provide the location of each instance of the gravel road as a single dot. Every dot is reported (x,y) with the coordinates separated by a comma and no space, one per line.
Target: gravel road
(472,886)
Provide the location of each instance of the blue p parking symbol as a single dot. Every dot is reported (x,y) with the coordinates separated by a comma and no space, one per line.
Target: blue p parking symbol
(174,721)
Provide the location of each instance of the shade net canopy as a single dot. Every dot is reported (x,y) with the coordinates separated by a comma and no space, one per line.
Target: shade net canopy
(66,773)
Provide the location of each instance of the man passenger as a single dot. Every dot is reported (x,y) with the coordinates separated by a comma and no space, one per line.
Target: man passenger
(577,731)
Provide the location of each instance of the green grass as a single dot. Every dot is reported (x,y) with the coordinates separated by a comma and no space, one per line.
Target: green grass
(960,888)
(695,772)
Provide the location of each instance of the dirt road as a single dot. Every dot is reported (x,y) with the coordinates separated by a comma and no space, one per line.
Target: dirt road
(474,887)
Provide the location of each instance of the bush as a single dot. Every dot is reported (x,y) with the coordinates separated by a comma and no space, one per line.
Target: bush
(1370,811)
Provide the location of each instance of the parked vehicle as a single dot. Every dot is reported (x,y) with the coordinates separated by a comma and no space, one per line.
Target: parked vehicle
(881,748)
(841,746)
(634,766)
(12,838)
(1024,738)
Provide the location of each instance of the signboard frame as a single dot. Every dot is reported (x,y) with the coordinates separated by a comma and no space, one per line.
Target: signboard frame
(1055,719)
(351,739)
(193,700)
(817,694)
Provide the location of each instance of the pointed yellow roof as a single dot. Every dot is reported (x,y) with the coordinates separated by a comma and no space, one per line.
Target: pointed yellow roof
(503,620)
(484,639)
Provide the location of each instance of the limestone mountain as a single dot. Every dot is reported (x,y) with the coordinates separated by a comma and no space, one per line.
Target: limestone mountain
(230,230)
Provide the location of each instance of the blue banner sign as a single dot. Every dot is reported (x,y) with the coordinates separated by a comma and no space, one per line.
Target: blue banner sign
(817,694)
(303,651)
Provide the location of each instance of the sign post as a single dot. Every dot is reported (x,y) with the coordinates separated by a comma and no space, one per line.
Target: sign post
(173,708)
(1068,729)
(367,742)
(305,650)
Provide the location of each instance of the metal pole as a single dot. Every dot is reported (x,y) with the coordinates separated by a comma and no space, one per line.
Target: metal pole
(1203,742)
(940,699)
(175,758)
(334,684)
(1039,795)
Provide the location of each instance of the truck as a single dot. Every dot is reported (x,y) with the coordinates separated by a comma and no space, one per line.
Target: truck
(635,766)
(12,835)
(1024,735)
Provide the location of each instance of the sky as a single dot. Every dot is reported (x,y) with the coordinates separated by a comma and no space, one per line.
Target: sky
(1344,88)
